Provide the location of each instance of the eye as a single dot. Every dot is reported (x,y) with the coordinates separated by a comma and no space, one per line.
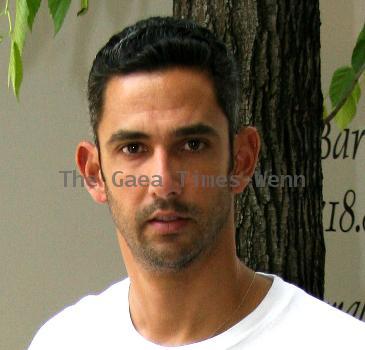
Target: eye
(194,145)
(132,148)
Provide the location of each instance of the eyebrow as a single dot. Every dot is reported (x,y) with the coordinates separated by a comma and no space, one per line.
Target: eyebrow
(194,129)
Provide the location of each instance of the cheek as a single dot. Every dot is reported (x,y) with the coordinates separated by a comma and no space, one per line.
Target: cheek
(216,163)
(204,187)
(214,168)
(127,190)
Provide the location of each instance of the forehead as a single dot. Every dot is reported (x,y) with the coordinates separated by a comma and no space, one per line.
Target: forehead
(160,100)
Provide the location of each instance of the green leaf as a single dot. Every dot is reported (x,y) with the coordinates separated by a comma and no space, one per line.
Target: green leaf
(341,82)
(15,68)
(33,7)
(15,72)
(348,111)
(83,8)
(358,55)
(58,10)
(357,92)
(21,24)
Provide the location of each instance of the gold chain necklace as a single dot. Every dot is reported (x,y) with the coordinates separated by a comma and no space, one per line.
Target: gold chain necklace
(225,321)
(221,326)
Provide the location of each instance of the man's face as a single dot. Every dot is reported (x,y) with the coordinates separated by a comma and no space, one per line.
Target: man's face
(167,129)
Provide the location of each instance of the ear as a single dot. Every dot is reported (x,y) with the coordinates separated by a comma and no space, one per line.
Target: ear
(246,153)
(87,161)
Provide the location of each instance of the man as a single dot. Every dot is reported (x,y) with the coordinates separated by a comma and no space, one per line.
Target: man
(163,98)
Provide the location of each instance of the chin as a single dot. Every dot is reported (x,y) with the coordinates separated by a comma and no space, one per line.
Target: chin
(170,261)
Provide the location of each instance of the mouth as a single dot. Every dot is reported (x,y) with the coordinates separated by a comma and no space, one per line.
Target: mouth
(168,223)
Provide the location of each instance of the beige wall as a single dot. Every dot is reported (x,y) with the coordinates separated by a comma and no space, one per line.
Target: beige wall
(56,245)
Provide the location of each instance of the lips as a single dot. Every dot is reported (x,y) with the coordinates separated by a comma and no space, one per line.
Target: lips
(166,223)
(167,216)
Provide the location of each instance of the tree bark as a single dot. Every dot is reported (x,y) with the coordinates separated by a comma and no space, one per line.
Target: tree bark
(277,45)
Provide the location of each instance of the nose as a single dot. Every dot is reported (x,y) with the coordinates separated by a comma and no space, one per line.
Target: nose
(165,179)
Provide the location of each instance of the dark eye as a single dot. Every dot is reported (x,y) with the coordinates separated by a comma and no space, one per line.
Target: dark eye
(132,148)
(194,145)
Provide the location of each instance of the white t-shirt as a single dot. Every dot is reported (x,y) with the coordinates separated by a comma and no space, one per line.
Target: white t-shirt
(287,318)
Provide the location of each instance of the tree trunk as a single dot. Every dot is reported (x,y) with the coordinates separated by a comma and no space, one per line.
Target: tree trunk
(277,44)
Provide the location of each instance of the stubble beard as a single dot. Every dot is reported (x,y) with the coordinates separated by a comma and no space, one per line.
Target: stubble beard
(209,226)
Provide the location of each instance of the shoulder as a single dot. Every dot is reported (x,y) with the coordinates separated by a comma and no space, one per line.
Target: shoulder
(91,315)
(304,314)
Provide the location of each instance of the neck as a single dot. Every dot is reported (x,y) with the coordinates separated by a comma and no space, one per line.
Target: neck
(174,308)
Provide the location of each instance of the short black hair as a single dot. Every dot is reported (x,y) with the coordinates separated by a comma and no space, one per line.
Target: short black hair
(158,43)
